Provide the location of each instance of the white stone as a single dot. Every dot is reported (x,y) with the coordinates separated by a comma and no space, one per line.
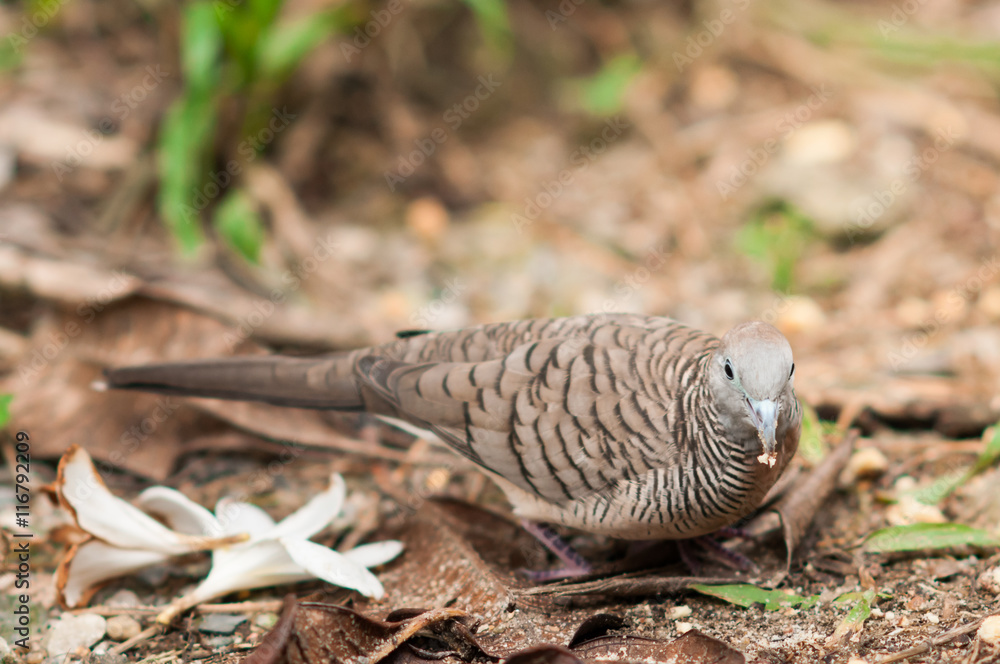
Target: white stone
(989,631)
(990,581)
(678,612)
(72,632)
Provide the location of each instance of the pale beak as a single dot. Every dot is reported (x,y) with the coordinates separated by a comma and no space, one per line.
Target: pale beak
(764,414)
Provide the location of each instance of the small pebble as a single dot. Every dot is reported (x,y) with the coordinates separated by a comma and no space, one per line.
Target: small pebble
(267,620)
(857,660)
(123,628)
(990,581)
(220,623)
(35,657)
(989,631)
(932,618)
(70,633)
(678,612)
(123,598)
(683,627)
(865,463)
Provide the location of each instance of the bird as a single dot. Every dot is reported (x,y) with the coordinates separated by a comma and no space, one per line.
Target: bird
(625,425)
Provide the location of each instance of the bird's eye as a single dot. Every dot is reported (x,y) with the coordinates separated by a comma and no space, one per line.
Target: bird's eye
(729,370)
(792,372)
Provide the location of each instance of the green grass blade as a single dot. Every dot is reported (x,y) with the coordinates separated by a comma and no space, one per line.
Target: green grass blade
(201,46)
(746,596)
(240,226)
(283,47)
(928,536)
(604,93)
(5,400)
(185,136)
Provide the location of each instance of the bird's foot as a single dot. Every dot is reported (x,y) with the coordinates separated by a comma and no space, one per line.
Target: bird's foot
(714,549)
(573,563)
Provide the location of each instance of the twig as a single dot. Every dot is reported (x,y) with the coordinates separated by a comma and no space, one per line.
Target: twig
(241,607)
(939,640)
(153,630)
(115,610)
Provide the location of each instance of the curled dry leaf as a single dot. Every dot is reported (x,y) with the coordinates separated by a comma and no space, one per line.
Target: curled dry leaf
(311,633)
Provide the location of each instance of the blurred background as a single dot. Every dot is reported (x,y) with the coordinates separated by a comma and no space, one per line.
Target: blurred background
(226,176)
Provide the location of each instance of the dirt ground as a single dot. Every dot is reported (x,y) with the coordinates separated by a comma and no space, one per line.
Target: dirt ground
(830,167)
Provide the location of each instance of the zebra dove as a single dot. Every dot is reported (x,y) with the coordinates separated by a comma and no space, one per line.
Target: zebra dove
(630,426)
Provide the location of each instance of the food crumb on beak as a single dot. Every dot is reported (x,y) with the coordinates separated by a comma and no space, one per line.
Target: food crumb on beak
(769,459)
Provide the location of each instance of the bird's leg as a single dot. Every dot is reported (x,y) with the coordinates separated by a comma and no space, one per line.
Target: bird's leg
(710,545)
(574,564)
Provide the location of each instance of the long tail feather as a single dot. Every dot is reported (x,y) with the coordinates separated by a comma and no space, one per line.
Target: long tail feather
(285,381)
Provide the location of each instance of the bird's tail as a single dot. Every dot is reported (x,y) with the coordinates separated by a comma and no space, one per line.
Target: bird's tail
(325,382)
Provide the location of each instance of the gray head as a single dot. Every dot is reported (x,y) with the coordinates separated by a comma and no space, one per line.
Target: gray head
(750,372)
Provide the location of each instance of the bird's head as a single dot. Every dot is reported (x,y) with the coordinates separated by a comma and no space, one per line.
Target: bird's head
(750,372)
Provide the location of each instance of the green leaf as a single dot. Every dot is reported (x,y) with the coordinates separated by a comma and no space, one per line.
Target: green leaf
(491,15)
(944,486)
(855,619)
(283,48)
(604,93)
(928,536)
(185,138)
(812,446)
(777,236)
(5,400)
(237,222)
(746,596)
(201,46)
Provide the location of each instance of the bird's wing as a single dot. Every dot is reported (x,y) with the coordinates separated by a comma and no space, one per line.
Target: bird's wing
(561,418)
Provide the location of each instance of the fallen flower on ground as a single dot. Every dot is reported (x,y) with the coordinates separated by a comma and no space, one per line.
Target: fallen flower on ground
(249,550)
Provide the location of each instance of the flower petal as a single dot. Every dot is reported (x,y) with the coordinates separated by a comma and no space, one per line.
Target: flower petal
(333,567)
(109,518)
(375,553)
(256,565)
(237,517)
(180,512)
(314,515)
(87,565)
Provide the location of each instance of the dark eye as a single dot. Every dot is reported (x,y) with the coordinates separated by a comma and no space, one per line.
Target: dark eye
(792,372)
(729,370)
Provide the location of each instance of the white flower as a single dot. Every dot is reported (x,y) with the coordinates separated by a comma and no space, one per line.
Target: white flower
(249,550)
(119,538)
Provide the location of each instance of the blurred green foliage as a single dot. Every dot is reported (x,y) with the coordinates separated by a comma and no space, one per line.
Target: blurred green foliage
(604,93)
(5,400)
(235,55)
(777,237)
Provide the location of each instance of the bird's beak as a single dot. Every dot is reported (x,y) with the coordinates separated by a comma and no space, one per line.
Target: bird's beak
(764,414)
